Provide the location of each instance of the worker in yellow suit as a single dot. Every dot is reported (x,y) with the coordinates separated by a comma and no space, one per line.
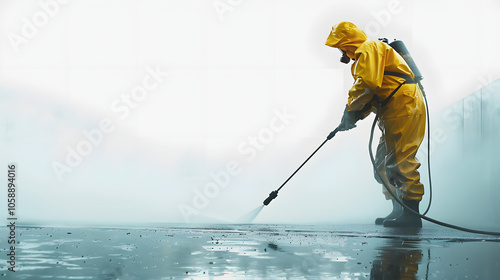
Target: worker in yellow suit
(378,71)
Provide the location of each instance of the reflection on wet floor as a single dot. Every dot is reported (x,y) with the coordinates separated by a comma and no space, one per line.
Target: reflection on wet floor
(253,252)
(397,260)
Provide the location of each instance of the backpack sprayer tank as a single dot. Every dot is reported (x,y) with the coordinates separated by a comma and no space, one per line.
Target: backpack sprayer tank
(400,48)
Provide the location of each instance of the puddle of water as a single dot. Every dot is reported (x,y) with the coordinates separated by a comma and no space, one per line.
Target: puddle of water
(253,251)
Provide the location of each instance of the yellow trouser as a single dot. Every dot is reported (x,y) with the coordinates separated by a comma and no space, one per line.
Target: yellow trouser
(395,158)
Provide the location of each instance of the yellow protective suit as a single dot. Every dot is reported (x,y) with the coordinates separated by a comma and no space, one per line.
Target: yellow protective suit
(402,119)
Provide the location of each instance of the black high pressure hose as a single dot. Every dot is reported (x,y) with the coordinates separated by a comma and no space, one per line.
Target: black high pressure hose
(399,200)
(428,146)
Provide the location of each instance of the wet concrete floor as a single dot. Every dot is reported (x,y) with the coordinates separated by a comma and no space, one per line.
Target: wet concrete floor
(251,251)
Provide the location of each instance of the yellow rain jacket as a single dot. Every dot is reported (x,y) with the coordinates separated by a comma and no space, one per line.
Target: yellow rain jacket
(402,119)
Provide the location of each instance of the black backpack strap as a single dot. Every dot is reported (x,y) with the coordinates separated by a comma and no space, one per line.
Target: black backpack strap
(383,103)
(408,80)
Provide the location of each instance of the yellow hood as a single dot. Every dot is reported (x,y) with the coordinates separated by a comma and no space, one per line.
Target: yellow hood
(345,34)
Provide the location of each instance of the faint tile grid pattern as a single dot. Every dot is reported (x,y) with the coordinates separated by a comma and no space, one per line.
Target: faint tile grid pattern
(31,26)
(121,107)
(222,178)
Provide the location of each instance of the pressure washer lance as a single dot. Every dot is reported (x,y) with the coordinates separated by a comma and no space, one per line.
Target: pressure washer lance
(274,194)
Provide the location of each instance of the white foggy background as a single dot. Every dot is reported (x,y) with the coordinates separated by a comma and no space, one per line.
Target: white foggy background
(228,74)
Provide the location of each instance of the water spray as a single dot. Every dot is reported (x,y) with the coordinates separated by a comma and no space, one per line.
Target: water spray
(249,217)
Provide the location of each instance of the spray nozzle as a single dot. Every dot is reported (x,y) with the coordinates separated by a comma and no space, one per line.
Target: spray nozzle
(272,196)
